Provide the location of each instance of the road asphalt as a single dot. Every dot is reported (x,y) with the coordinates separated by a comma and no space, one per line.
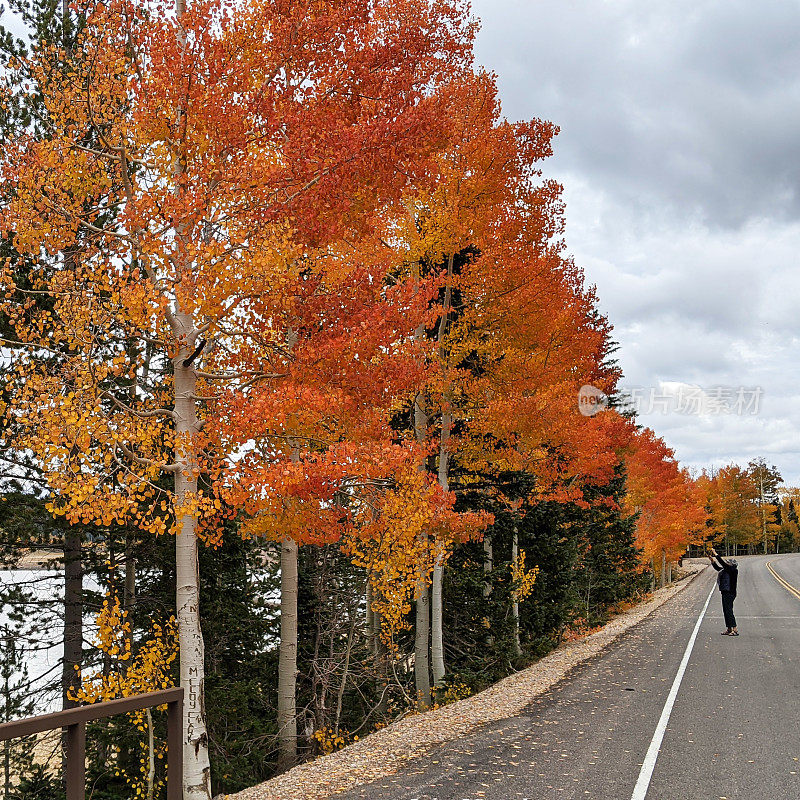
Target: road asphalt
(732,729)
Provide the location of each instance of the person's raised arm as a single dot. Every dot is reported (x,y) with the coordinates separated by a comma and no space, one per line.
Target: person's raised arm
(713,563)
(724,564)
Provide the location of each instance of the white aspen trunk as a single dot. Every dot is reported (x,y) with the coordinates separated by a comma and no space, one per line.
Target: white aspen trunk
(589,595)
(422,623)
(422,679)
(515,604)
(437,608)
(663,567)
(287,658)
(196,764)
(488,566)
(437,634)
(151,755)
(488,563)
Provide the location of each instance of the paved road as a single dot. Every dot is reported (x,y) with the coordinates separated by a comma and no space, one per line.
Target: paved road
(733,730)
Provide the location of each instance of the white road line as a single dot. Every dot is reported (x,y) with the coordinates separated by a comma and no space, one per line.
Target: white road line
(646,773)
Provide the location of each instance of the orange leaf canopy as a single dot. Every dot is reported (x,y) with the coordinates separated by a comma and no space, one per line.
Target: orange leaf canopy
(518,331)
(670,505)
(236,157)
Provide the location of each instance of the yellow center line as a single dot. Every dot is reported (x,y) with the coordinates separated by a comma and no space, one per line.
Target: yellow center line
(786,585)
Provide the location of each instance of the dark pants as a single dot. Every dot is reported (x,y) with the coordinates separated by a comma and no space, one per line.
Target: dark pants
(727,608)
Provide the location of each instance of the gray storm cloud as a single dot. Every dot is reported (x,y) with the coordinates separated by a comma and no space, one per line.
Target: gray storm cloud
(689,105)
(680,158)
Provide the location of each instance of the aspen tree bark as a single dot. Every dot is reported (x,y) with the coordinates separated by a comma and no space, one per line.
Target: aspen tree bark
(488,563)
(151,756)
(515,604)
(287,658)
(663,567)
(196,764)
(422,681)
(437,609)
(488,566)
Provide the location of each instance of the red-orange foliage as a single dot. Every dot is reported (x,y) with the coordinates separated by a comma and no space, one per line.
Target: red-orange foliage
(518,332)
(238,147)
(670,505)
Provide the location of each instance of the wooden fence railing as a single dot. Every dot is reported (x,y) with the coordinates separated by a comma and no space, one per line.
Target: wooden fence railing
(74,721)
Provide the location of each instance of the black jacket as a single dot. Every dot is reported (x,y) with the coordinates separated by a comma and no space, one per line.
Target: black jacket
(727,575)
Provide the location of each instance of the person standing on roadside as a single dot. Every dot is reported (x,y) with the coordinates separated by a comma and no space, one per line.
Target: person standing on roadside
(727,574)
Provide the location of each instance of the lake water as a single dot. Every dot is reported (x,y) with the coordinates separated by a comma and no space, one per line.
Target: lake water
(42,629)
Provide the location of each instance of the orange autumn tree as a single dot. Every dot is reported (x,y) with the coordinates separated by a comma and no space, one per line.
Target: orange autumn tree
(668,504)
(515,332)
(708,489)
(745,506)
(317,444)
(319,464)
(733,498)
(786,523)
(229,143)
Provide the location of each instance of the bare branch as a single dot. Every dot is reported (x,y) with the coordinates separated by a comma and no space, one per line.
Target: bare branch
(147,462)
(232,376)
(156,412)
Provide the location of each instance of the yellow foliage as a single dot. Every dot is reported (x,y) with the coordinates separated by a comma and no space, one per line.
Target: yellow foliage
(523,580)
(328,740)
(145,670)
(451,694)
(396,548)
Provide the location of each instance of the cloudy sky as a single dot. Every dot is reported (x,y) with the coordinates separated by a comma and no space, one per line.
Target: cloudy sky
(679,153)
